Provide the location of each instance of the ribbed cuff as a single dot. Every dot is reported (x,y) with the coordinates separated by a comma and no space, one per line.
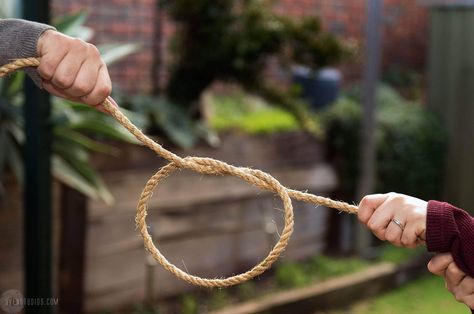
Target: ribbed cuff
(19,39)
(439,227)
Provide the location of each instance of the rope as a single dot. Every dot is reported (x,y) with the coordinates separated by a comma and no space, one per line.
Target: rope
(206,166)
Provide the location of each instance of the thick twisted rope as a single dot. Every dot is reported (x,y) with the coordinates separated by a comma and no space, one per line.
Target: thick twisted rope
(207,166)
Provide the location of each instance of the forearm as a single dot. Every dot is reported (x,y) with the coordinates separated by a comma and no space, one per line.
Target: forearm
(18,39)
(450,229)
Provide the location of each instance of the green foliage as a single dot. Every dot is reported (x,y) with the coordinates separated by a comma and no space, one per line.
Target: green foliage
(219,299)
(393,254)
(189,305)
(231,40)
(407,80)
(144,309)
(248,114)
(291,274)
(320,267)
(75,127)
(323,267)
(247,290)
(161,116)
(411,144)
(426,295)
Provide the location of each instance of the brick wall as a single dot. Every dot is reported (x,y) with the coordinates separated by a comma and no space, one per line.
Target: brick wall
(120,21)
(404,41)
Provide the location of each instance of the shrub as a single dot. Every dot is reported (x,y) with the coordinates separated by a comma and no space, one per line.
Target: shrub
(411,144)
(251,115)
(231,39)
(291,274)
(189,305)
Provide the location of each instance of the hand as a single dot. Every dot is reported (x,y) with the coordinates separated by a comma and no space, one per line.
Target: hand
(457,282)
(72,69)
(393,217)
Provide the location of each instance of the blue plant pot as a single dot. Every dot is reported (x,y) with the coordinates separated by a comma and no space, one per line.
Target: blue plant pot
(319,88)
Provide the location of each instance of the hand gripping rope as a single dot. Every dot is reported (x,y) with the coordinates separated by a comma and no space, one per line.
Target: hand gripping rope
(206,166)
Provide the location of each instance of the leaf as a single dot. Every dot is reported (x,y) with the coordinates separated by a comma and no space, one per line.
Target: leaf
(16,132)
(66,174)
(13,85)
(70,176)
(73,138)
(69,23)
(83,32)
(112,130)
(68,152)
(113,52)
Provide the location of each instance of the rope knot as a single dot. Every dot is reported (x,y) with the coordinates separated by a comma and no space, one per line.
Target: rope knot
(206,166)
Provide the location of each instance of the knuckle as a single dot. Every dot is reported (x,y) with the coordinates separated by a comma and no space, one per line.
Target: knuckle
(405,242)
(458,297)
(93,51)
(46,71)
(470,285)
(47,67)
(395,196)
(453,270)
(82,87)
(379,234)
(105,90)
(63,80)
(372,225)
(364,201)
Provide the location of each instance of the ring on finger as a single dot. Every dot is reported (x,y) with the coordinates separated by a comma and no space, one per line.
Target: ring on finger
(398,223)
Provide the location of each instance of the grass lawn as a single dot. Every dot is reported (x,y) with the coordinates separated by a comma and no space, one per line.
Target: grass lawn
(423,296)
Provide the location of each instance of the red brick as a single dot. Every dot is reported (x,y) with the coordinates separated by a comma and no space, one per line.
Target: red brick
(404,39)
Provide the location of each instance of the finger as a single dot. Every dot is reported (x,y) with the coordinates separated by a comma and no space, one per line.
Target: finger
(67,71)
(58,92)
(467,285)
(380,220)
(368,205)
(50,62)
(453,274)
(101,90)
(409,237)
(86,79)
(393,234)
(440,263)
(469,301)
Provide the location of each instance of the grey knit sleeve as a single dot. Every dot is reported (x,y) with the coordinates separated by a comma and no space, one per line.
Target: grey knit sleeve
(18,39)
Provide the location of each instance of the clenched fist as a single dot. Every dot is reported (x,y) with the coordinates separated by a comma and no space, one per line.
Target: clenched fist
(457,282)
(73,69)
(393,217)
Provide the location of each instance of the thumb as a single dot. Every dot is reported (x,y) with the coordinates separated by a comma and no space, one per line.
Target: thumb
(440,263)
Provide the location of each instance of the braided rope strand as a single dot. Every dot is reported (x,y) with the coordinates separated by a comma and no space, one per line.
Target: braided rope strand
(206,166)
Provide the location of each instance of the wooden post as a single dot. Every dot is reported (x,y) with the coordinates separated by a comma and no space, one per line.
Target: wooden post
(72,247)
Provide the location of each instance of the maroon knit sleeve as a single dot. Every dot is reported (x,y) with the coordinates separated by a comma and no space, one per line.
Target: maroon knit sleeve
(450,229)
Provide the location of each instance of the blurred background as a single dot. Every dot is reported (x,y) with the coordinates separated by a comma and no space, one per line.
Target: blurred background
(340,98)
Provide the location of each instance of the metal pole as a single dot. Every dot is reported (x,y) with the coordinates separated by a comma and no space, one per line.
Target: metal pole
(37,190)
(367,164)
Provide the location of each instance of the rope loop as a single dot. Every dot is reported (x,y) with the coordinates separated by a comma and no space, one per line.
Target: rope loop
(206,166)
